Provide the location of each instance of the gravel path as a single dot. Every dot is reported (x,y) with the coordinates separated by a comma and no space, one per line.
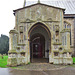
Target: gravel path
(54,70)
(40,66)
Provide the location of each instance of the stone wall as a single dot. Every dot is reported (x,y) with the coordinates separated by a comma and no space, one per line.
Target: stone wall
(71,22)
(51,19)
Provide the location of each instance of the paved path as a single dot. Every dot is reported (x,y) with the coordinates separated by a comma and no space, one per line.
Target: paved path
(40,67)
(63,71)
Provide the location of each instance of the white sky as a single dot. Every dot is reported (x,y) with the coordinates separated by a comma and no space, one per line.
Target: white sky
(7,19)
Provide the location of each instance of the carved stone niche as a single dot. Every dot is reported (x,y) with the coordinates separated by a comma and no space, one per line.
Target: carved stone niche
(18,48)
(56,53)
(28,20)
(12,55)
(60,49)
(57,40)
(56,47)
(57,33)
(21,28)
(49,19)
(21,36)
(56,27)
(70,54)
(65,54)
(23,54)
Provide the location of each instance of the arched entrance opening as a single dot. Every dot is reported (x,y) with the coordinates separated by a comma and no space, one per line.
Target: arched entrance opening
(40,43)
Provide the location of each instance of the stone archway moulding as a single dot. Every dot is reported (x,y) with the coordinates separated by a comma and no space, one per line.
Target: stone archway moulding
(44,25)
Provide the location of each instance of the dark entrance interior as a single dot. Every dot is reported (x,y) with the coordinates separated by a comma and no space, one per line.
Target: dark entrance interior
(37,48)
(40,43)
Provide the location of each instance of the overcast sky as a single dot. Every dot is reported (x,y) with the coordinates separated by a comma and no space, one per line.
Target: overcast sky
(7,19)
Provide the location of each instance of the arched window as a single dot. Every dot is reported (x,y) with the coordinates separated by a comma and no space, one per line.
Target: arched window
(67,26)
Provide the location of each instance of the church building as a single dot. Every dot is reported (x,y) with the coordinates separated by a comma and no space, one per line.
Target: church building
(39,35)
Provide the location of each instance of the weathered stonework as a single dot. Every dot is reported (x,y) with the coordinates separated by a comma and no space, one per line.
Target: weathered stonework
(71,21)
(47,21)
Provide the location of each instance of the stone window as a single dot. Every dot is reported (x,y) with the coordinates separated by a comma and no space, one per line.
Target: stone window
(68,26)
(70,38)
(65,25)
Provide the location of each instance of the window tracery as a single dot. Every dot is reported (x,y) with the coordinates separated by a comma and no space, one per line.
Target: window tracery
(68,26)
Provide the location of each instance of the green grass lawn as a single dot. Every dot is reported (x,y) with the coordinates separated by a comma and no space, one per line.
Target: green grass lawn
(3,62)
(73,59)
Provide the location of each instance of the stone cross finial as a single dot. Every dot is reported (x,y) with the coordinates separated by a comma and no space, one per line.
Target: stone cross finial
(38,1)
(24,3)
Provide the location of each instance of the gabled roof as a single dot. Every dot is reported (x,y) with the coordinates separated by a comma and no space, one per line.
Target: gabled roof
(69,5)
(38,4)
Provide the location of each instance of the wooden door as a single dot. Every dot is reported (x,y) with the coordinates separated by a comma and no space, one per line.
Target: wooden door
(37,51)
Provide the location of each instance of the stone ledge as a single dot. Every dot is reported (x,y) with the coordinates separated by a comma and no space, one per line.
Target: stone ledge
(22,52)
(21,44)
(67,50)
(65,30)
(67,57)
(12,51)
(57,43)
(61,52)
(56,57)
(55,50)
(13,31)
(18,47)
(71,46)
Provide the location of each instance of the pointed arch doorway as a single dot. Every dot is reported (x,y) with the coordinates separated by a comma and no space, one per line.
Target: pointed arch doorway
(40,43)
(37,47)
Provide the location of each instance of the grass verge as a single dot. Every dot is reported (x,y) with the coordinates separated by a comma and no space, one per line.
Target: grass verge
(3,62)
(74,60)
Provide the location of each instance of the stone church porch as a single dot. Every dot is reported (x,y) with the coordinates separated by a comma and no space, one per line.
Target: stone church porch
(39,35)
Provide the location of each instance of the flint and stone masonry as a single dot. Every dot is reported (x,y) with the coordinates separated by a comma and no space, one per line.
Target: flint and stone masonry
(39,33)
